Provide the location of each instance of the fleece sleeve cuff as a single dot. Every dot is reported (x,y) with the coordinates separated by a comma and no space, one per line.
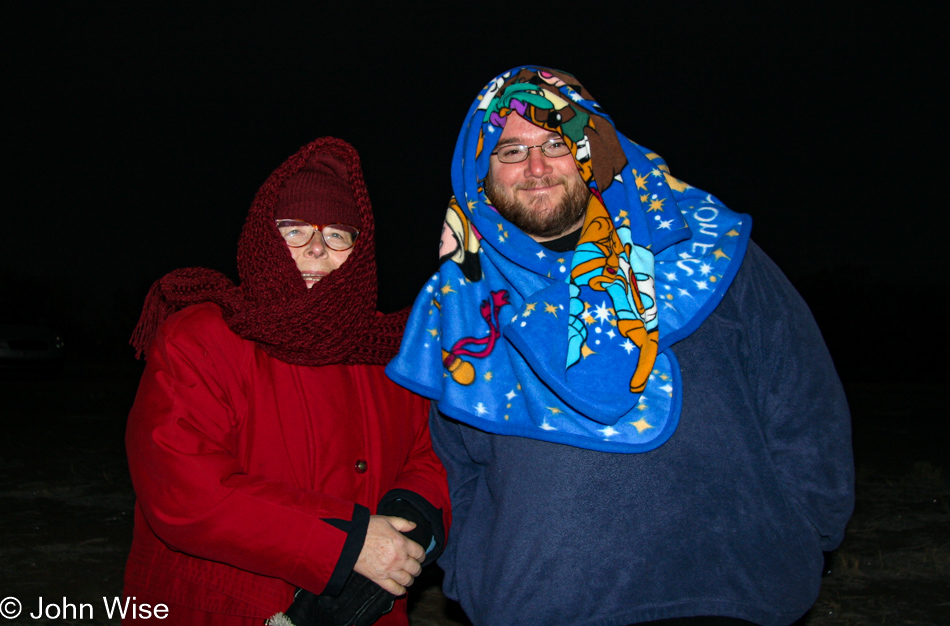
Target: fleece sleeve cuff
(355,529)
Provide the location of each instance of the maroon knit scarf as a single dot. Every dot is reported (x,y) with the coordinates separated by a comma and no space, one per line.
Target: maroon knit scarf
(333,322)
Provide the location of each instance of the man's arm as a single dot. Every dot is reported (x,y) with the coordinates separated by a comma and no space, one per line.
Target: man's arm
(807,421)
(463,475)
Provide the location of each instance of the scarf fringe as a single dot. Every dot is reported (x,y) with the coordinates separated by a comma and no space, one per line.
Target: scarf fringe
(278,619)
(175,291)
(155,311)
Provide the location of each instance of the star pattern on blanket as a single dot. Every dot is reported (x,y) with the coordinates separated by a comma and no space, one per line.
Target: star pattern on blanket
(641,425)
(502,233)
(640,180)
(656,204)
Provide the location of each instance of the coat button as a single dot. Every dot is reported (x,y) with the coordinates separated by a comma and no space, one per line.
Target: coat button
(360,466)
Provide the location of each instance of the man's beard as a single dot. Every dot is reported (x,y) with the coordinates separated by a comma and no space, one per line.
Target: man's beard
(530,218)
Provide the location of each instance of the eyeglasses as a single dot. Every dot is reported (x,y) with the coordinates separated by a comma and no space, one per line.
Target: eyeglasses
(516,153)
(298,233)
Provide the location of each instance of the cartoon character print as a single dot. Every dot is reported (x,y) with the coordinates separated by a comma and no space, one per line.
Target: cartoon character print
(462,371)
(536,95)
(460,242)
(555,101)
(603,263)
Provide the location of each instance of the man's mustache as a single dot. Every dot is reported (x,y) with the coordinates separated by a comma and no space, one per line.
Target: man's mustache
(547,181)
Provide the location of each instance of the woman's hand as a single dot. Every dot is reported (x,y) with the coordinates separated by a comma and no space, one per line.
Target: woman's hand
(389,558)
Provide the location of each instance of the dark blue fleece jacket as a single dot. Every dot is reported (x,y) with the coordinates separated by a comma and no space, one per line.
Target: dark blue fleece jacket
(729,517)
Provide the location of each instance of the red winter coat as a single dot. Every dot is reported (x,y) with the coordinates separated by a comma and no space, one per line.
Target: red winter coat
(248,471)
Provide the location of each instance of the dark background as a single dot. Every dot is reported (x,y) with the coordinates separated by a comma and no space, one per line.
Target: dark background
(136,134)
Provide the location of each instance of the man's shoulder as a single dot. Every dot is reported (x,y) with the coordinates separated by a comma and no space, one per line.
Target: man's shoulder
(759,276)
(756,261)
(762,300)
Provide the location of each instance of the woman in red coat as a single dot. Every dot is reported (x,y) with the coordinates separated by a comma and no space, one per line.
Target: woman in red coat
(268,450)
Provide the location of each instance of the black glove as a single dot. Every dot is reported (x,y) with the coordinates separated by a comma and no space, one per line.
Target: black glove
(301,609)
(361,603)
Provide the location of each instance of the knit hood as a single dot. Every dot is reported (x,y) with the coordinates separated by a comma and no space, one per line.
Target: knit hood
(335,321)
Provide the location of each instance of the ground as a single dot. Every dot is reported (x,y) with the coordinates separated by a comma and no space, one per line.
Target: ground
(66,504)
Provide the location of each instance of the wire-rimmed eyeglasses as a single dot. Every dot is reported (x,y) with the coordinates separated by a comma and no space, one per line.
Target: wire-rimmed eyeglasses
(516,153)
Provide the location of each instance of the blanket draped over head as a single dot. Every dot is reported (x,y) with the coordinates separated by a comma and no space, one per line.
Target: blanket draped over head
(333,322)
(572,347)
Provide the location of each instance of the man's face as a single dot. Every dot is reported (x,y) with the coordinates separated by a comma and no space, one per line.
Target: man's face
(315,260)
(545,197)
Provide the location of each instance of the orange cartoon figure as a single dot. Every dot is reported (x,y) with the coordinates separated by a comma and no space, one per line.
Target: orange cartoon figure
(603,263)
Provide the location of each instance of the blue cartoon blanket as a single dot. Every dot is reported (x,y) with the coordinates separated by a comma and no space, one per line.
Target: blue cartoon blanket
(573,347)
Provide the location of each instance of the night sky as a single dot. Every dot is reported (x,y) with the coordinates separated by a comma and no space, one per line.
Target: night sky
(136,134)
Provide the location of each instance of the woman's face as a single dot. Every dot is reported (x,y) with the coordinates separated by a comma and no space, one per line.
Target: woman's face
(315,260)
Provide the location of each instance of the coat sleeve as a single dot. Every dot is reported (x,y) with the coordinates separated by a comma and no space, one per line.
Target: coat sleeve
(801,399)
(422,482)
(191,485)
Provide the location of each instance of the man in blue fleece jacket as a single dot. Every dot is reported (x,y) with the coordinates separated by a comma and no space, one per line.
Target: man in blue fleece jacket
(638,415)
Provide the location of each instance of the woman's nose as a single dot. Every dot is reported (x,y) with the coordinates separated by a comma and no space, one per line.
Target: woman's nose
(317,247)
